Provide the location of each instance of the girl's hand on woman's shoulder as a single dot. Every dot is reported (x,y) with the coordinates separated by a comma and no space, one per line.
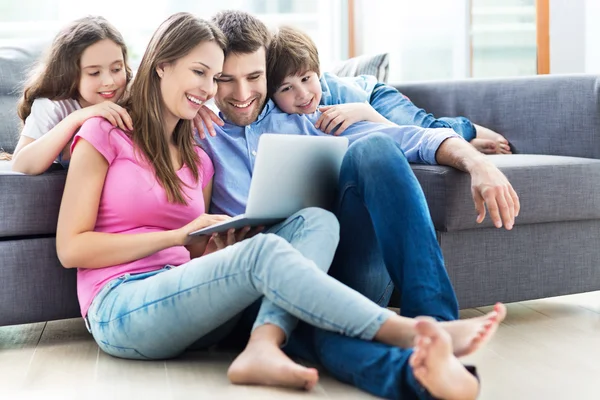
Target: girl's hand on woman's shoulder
(114,113)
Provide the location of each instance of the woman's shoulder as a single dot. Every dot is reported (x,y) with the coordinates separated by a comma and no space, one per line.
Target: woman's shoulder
(101,132)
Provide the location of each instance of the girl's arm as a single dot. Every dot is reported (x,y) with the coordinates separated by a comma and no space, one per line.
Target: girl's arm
(78,246)
(35,156)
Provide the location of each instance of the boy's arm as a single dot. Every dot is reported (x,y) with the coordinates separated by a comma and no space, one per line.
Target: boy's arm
(344,115)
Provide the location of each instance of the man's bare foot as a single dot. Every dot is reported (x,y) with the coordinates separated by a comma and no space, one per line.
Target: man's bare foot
(468,335)
(436,368)
(489,142)
(263,363)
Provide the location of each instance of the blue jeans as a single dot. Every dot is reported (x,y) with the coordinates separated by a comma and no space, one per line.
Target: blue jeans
(394,106)
(159,314)
(387,239)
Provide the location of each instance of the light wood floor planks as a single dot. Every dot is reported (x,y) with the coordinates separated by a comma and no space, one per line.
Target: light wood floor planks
(546,349)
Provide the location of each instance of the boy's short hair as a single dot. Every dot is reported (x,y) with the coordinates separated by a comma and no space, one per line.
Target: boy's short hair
(292,52)
(244,32)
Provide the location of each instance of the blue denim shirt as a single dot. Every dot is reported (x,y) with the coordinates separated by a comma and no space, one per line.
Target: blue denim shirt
(233,150)
(338,90)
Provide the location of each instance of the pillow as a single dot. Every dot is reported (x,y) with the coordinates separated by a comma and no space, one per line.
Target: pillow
(377,65)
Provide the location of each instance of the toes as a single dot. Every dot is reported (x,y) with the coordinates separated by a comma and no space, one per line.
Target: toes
(420,373)
(426,326)
(500,310)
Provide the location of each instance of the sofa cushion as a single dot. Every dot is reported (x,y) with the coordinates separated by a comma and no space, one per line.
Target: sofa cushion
(550,189)
(29,204)
(16,60)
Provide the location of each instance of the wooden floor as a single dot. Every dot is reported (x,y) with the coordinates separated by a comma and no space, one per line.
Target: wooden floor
(546,349)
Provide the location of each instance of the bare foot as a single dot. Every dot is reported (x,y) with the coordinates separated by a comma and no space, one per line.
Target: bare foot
(436,368)
(485,146)
(263,363)
(468,335)
(498,145)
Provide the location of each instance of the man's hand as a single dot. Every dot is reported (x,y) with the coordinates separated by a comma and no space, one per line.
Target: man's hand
(207,116)
(490,188)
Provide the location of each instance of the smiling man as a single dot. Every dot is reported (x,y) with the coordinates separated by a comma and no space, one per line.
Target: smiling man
(387,236)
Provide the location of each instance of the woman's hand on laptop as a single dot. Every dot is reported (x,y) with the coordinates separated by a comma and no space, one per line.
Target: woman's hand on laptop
(205,118)
(220,241)
(201,222)
(233,236)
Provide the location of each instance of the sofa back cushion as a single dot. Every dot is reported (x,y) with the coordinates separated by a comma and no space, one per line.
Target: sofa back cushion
(16,61)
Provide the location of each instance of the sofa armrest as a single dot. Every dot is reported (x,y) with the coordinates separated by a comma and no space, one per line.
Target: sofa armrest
(550,114)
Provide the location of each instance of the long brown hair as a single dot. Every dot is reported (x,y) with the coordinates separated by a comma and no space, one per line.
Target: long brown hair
(173,39)
(57,76)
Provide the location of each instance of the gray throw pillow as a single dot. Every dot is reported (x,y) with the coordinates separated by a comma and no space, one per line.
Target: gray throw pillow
(377,65)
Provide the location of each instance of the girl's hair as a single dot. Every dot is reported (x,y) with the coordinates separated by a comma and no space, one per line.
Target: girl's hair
(57,76)
(173,39)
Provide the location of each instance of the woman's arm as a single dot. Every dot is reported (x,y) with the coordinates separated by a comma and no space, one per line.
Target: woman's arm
(199,248)
(77,244)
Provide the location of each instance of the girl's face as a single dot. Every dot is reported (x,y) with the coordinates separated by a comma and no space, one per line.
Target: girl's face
(187,83)
(103,75)
(299,94)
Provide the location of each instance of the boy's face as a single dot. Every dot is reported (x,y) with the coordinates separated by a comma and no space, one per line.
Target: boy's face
(242,89)
(299,94)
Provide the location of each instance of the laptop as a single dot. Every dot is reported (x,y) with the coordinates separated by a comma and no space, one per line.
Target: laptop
(291,172)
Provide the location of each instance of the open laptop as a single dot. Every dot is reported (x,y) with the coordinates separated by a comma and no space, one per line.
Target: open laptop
(291,172)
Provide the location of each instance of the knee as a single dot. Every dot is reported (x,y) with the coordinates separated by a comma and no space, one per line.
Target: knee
(375,153)
(321,220)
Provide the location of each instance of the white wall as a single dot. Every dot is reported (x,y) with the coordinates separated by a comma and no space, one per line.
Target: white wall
(568,35)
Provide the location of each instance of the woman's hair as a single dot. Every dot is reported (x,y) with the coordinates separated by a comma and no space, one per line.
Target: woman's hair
(173,39)
(57,76)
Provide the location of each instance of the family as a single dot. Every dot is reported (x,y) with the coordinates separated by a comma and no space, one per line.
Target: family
(148,163)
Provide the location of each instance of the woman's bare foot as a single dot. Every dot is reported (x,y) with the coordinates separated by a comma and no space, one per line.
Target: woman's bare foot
(468,335)
(436,368)
(263,363)
(489,142)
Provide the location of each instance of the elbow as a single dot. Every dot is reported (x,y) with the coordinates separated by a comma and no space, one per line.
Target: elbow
(19,166)
(66,255)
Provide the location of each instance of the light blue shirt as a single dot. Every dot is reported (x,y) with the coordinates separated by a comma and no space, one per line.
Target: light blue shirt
(341,90)
(233,150)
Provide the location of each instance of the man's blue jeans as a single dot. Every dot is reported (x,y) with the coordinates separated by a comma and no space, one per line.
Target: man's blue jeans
(394,106)
(387,239)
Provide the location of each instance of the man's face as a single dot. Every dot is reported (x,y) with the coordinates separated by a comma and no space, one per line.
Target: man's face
(242,90)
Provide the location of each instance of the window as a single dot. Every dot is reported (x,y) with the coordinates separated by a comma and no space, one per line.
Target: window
(35,19)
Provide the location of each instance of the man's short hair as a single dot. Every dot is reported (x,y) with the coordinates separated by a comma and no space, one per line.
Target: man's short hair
(292,52)
(245,33)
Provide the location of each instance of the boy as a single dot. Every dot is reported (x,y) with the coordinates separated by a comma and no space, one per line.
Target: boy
(294,85)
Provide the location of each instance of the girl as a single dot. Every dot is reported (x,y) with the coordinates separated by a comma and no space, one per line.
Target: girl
(148,290)
(84,75)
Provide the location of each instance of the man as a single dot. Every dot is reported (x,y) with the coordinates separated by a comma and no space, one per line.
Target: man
(387,237)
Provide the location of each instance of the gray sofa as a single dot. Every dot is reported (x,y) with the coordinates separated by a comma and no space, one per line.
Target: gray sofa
(552,250)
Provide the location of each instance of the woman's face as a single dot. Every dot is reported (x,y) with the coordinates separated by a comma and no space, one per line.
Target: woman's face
(189,82)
